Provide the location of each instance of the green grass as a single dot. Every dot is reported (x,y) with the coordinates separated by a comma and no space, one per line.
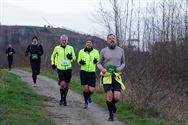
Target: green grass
(126,113)
(19,105)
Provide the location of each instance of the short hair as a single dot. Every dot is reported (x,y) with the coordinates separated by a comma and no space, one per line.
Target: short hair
(35,37)
(89,39)
(110,35)
(64,36)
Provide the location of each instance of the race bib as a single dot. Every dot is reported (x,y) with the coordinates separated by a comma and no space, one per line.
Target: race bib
(65,63)
(34,56)
(111,68)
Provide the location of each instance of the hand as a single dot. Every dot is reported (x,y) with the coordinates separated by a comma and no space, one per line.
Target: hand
(104,71)
(82,62)
(95,61)
(118,69)
(10,53)
(26,54)
(53,66)
(39,53)
(69,56)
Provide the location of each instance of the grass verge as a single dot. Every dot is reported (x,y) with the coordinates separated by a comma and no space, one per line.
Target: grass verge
(19,105)
(126,113)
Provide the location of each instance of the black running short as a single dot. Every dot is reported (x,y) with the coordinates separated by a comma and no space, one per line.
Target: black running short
(64,75)
(88,78)
(115,86)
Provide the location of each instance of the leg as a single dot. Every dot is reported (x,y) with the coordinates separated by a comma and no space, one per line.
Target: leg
(85,92)
(33,67)
(64,78)
(91,84)
(109,97)
(116,95)
(91,91)
(9,62)
(62,91)
(38,67)
(84,81)
(109,102)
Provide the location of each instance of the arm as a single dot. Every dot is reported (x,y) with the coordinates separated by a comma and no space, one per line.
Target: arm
(53,57)
(97,55)
(120,68)
(73,55)
(79,57)
(28,49)
(41,50)
(99,64)
(13,51)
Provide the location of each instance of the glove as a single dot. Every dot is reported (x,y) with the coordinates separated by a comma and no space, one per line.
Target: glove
(69,56)
(39,53)
(95,61)
(10,53)
(26,54)
(53,66)
(82,62)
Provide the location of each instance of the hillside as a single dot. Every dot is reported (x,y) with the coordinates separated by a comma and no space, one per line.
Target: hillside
(20,37)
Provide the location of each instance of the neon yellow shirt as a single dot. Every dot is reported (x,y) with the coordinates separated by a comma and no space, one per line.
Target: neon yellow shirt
(88,57)
(59,57)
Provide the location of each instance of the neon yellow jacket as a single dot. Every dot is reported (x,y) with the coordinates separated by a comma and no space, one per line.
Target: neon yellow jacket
(88,58)
(59,57)
(106,78)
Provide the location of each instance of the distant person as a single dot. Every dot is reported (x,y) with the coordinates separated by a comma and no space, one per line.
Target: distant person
(111,63)
(10,52)
(87,59)
(61,59)
(36,51)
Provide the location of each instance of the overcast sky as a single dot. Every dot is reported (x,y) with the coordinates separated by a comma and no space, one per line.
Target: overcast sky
(77,15)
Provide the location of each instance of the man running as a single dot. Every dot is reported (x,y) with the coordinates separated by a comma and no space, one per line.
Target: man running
(111,63)
(10,52)
(36,50)
(87,59)
(62,58)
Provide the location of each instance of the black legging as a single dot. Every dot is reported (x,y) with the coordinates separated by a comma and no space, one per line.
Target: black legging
(10,59)
(35,66)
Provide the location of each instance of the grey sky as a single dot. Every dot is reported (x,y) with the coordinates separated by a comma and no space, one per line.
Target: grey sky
(77,15)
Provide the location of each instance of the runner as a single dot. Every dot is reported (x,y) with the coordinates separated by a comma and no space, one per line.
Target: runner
(111,63)
(10,52)
(62,58)
(87,59)
(36,50)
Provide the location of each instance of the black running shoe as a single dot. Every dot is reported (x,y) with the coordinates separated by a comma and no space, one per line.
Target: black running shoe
(114,109)
(61,102)
(111,117)
(65,103)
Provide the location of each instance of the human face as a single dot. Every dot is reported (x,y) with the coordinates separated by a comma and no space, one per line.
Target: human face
(89,44)
(64,41)
(111,40)
(34,40)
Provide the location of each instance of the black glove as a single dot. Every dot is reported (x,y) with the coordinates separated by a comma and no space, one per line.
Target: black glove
(39,53)
(82,62)
(69,56)
(95,61)
(53,66)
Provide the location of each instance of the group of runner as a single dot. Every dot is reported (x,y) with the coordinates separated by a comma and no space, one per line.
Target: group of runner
(110,62)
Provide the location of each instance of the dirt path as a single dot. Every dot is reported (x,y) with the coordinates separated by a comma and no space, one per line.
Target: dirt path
(73,114)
